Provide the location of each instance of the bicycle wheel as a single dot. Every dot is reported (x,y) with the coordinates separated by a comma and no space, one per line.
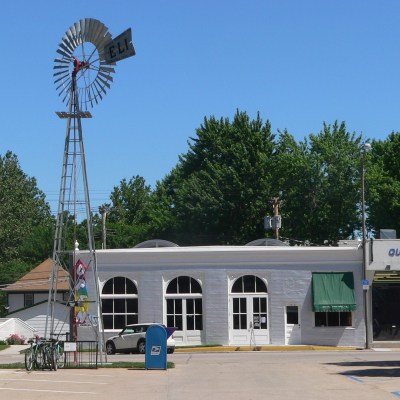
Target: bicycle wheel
(40,358)
(53,356)
(29,359)
(48,357)
(60,356)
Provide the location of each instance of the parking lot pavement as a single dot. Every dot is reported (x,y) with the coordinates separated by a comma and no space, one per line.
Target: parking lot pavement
(317,375)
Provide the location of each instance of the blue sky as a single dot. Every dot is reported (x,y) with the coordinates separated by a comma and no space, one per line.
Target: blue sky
(298,63)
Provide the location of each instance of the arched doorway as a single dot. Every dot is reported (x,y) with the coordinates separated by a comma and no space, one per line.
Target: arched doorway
(184,309)
(249,311)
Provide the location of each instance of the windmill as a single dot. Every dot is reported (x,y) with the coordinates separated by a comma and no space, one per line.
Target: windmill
(83,73)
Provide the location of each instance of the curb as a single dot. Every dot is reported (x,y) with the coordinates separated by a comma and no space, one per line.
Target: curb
(224,349)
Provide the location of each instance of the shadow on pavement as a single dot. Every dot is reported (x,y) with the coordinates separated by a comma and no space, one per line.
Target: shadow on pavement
(389,369)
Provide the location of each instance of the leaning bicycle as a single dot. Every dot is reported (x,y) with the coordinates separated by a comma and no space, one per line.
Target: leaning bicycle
(40,355)
(58,349)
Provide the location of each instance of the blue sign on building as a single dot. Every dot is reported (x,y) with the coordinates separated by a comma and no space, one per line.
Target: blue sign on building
(156,347)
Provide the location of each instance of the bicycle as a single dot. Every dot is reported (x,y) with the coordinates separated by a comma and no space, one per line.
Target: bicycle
(40,355)
(58,349)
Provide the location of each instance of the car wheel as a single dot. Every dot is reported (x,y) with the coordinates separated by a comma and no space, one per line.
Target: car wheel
(110,348)
(141,347)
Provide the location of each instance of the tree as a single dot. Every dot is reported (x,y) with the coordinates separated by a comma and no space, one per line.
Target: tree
(383,184)
(319,178)
(219,190)
(127,216)
(130,201)
(22,207)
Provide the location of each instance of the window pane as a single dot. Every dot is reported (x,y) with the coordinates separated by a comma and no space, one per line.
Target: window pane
(292,315)
(108,287)
(173,286)
(170,321)
(183,284)
(196,287)
(243,321)
(178,322)
(131,306)
(189,306)
(170,306)
(320,319)
(235,305)
(178,306)
(333,318)
(108,321)
(28,299)
(132,319)
(130,287)
(249,284)
(263,302)
(190,322)
(256,305)
(199,306)
(119,285)
(119,306)
(243,308)
(199,322)
(119,321)
(107,305)
(236,324)
(238,286)
(345,318)
(264,321)
(260,286)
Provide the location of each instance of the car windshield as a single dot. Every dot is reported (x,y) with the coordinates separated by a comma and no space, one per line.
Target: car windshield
(127,331)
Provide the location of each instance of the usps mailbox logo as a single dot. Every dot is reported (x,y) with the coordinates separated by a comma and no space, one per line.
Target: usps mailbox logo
(155,350)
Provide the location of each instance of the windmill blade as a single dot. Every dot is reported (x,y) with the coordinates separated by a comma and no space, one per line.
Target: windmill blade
(85,65)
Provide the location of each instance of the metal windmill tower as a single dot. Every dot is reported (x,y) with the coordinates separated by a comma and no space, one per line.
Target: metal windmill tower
(82,73)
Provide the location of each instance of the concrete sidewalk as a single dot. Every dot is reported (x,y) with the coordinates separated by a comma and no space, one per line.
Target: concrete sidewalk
(14,349)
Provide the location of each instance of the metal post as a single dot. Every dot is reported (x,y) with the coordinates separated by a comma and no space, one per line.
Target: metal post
(367,147)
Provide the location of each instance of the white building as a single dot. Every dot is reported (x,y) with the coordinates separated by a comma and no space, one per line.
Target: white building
(236,295)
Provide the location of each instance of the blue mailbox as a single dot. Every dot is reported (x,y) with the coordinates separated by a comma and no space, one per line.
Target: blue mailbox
(156,347)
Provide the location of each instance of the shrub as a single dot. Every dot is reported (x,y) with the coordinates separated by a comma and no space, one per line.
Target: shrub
(15,339)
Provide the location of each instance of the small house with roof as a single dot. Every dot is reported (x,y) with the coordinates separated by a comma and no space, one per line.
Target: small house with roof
(27,298)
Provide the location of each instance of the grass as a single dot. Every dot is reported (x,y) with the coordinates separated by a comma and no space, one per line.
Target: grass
(117,364)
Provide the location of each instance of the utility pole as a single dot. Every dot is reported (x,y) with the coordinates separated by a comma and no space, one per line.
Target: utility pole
(274,223)
(277,218)
(367,147)
(103,212)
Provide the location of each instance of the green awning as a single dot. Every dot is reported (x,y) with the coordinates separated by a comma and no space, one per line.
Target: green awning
(333,291)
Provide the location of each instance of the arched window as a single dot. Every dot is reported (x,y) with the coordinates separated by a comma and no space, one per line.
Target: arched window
(249,284)
(184,304)
(249,297)
(184,284)
(119,300)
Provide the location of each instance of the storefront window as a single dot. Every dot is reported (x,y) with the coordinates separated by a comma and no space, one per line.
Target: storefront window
(331,318)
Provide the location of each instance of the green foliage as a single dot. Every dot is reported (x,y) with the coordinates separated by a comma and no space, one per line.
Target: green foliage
(319,179)
(382,176)
(22,207)
(130,201)
(217,193)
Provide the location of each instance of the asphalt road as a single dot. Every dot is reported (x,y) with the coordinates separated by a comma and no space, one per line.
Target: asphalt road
(300,375)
